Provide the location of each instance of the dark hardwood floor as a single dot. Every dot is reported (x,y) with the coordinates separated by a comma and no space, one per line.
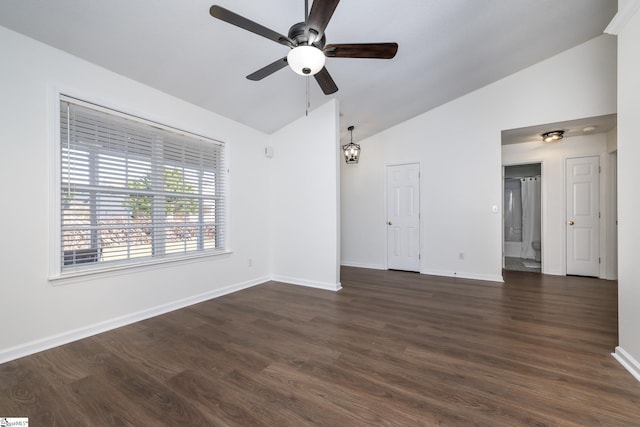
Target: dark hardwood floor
(391,348)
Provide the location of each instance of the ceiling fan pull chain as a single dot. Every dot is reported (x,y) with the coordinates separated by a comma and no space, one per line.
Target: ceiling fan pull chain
(308,103)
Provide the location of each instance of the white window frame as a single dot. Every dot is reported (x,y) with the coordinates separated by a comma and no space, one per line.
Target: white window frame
(56,274)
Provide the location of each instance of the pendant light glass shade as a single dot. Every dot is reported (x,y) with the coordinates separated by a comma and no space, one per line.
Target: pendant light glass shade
(306,60)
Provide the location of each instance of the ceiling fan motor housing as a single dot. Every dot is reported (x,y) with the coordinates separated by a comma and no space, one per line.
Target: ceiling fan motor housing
(298,34)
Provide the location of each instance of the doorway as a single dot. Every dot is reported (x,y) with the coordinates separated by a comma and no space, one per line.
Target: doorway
(403,217)
(522,218)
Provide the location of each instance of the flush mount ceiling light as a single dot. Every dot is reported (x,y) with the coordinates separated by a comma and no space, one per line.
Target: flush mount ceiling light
(351,150)
(306,60)
(553,136)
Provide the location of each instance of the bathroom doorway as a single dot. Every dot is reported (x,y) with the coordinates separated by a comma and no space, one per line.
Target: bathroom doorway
(522,218)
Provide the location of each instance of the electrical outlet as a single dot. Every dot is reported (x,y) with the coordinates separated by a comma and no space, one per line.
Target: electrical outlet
(250,262)
(461,256)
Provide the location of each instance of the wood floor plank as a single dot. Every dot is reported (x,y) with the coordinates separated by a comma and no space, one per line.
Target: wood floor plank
(391,348)
(214,401)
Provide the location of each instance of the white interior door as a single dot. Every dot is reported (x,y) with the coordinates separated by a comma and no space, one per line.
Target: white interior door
(583,216)
(403,217)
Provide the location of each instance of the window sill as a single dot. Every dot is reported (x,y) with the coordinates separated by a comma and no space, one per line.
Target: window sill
(120,269)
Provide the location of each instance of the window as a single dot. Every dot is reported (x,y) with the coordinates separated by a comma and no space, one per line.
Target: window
(134,191)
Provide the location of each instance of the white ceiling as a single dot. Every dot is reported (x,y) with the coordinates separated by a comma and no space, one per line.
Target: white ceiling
(584,126)
(447,48)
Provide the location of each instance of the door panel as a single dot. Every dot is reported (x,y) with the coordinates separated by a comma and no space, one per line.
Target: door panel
(583,216)
(403,217)
(582,238)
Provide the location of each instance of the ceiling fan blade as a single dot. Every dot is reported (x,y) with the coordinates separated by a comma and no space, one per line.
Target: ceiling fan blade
(325,81)
(246,24)
(320,15)
(268,70)
(361,50)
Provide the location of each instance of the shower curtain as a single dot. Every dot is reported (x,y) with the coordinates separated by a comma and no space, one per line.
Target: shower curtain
(530,215)
(512,211)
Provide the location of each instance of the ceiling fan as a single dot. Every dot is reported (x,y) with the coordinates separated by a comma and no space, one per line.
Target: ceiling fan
(307,42)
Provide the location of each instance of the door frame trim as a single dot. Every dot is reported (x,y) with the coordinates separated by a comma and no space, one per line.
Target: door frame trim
(543,210)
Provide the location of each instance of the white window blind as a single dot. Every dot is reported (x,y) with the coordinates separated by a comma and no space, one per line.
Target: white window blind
(133,191)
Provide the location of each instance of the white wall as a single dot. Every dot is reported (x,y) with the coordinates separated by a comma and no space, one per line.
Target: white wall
(553,158)
(305,200)
(628,351)
(37,314)
(459,148)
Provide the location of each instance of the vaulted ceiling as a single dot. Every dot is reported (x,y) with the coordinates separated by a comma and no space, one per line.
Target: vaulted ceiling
(447,48)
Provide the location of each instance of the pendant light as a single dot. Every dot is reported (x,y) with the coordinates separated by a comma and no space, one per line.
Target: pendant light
(351,150)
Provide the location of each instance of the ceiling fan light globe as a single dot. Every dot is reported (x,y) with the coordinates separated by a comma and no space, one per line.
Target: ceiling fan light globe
(306,60)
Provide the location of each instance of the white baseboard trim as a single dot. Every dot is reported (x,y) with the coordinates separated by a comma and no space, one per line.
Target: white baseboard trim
(463,275)
(87,331)
(554,272)
(626,360)
(308,283)
(443,273)
(363,265)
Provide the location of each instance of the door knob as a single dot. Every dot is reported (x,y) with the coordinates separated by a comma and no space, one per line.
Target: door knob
(571,222)
(388,222)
